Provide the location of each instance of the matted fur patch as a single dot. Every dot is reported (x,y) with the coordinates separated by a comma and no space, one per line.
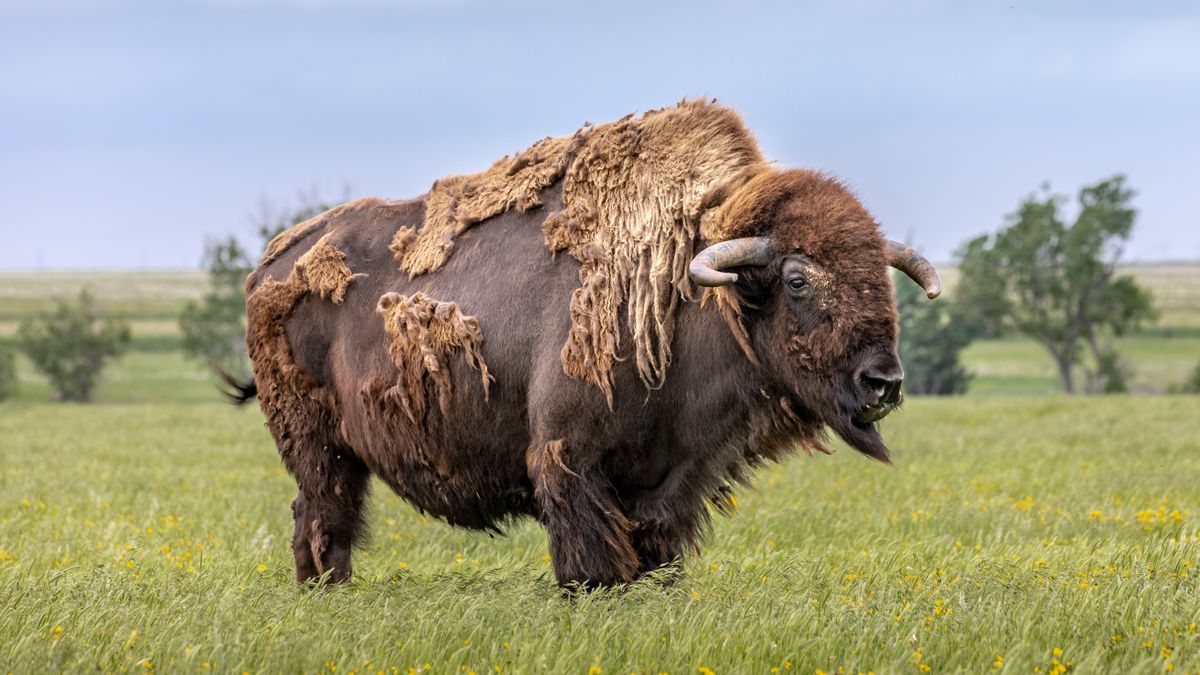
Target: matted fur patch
(425,335)
(633,193)
(321,271)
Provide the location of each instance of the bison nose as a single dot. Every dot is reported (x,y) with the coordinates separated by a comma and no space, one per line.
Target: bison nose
(879,381)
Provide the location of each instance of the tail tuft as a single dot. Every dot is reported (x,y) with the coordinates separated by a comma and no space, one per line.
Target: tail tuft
(238,392)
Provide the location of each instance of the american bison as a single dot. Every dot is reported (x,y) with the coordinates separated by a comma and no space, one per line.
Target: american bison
(607,331)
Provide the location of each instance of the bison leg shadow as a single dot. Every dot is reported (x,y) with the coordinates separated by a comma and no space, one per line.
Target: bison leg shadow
(589,535)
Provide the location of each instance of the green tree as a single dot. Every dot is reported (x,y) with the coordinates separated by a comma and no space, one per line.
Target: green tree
(932,337)
(1057,284)
(71,344)
(214,327)
(8,373)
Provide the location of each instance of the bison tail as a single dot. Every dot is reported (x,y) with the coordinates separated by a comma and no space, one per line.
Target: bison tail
(237,391)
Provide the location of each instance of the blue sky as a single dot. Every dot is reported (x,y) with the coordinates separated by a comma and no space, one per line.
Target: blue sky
(131,131)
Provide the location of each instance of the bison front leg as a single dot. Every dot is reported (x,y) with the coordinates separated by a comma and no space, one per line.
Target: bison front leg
(589,535)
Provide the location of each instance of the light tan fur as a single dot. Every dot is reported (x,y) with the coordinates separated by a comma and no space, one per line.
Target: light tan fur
(425,335)
(633,191)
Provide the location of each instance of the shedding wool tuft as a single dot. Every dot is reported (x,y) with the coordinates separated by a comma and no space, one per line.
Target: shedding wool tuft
(633,193)
(425,335)
(456,203)
(321,271)
(327,221)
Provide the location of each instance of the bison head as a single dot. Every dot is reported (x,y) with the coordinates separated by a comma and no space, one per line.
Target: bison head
(818,305)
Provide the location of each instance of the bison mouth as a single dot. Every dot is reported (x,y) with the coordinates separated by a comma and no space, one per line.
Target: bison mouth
(870,414)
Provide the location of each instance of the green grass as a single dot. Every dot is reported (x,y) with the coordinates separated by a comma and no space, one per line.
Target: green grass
(1017,366)
(139,535)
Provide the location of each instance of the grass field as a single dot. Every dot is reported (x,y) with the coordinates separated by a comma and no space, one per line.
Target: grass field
(139,537)
(1020,531)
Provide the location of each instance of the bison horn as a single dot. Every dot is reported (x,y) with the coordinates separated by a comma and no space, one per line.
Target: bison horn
(706,269)
(920,270)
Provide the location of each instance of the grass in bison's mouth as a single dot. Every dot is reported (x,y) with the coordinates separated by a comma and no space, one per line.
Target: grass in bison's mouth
(870,414)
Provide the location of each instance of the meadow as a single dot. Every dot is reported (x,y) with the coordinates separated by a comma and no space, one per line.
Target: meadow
(1020,531)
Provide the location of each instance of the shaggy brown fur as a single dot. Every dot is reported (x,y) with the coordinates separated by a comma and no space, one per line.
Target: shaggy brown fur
(425,333)
(633,197)
(374,210)
(632,191)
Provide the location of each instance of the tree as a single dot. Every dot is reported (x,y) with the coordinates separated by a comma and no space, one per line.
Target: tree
(71,344)
(932,337)
(214,328)
(8,373)
(1057,284)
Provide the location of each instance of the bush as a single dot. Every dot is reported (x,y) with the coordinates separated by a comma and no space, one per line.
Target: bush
(1111,376)
(71,344)
(8,373)
(932,337)
(1192,386)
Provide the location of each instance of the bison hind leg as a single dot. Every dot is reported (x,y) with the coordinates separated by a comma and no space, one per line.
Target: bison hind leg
(306,566)
(329,521)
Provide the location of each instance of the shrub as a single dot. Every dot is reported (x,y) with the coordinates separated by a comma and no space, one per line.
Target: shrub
(8,373)
(71,344)
(1192,386)
(932,337)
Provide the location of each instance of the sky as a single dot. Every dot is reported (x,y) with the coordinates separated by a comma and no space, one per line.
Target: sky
(133,131)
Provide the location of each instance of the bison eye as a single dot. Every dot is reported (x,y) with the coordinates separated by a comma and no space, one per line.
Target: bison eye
(798,284)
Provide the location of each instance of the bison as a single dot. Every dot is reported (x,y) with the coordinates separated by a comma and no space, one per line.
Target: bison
(607,331)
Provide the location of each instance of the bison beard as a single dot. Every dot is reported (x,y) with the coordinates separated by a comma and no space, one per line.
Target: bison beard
(448,346)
